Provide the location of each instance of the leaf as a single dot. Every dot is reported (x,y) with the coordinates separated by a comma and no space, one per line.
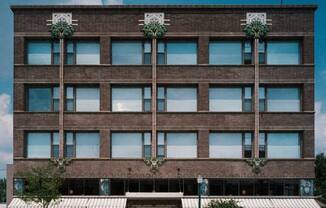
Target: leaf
(62,30)
(154,30)
(256,29)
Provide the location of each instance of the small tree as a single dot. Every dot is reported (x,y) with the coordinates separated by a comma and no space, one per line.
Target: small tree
(42,185)
(320,182)
(223,204)
(3,190)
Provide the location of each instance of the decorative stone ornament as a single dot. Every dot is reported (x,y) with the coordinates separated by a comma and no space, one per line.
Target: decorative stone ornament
(154,164)
(154,25)
(251,17)
(61,163)
(61,25)
(256,164)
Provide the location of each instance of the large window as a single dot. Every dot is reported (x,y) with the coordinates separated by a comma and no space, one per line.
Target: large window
(42,99)
(177,99)
(277,99)
(127,98)
(177,52)
(283,52)
(82,144)
(131,145)
(42,52)
(82,99)
(230,52)
(230,145)
(230,99)
(131,52)
(83,52)
(42,144)
(177,145)
(279,145)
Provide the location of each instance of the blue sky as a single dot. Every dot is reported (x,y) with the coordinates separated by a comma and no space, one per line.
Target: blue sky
(6,60)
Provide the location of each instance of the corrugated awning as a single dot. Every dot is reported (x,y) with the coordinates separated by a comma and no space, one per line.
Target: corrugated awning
(257,202)
(76,202)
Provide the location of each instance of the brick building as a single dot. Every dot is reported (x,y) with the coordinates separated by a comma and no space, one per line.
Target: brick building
(204,121)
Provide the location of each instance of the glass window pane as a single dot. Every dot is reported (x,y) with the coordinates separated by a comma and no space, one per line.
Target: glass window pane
(225,99)
(126,145)
(39,52)
(248,139)
(283,100)
(87,145)
(181,53)
(87,99)
(160,47)
(147,105)
(127,52)
(160,139)
(70,92)
(39,99)
(181,145)
(69,138)
(147,139)
(181,99)
(283,52)
(160,58)
(56,47)
(55,138)
(147,93)
(87,53)
(225,145)
(147,47)
(70,47)
(247,94)
(225,52)
(283,145)
(160,93)
(56,92)
(38,145)
(126,99)
(247,47)
(261,138)
(262,93)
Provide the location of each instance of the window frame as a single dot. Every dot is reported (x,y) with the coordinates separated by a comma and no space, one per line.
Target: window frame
(166,41)
(165,144)
(52,42)
(74,87)
(51,144)
(142,41)
(165,86)
(243,137)
(266,87)
(27,101)
(74,132)
(242,41)
(142,144)
(142,86)
(74,43)
(300,142)
(243,87)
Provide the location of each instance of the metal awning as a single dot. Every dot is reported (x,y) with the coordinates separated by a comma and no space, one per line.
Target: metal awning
(256,202)
(76,202)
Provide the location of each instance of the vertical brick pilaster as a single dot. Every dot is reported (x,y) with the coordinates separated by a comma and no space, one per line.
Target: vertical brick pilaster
(203,99)
(203,55)
(308,144)
(10,183)
(19,143)
(19,50)
(104,96)
(307,50)
(203,143)
(19,97)
(105,44)
(308,97)
(105,143)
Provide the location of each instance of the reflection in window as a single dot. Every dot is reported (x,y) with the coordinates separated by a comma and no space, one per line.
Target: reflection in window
(131,52)
(82,99)
(177,52)
(283,52)
(129,145)
(42,144)
(232,99)
(230,145)
(43,99)
(283,145)
(82,144)
(133,99)
(181,145)
(87,52)
(225,52)
(177,99)
(39,52)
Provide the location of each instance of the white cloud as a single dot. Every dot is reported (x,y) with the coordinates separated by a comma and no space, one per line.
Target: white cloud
(6,132)
(320,128)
